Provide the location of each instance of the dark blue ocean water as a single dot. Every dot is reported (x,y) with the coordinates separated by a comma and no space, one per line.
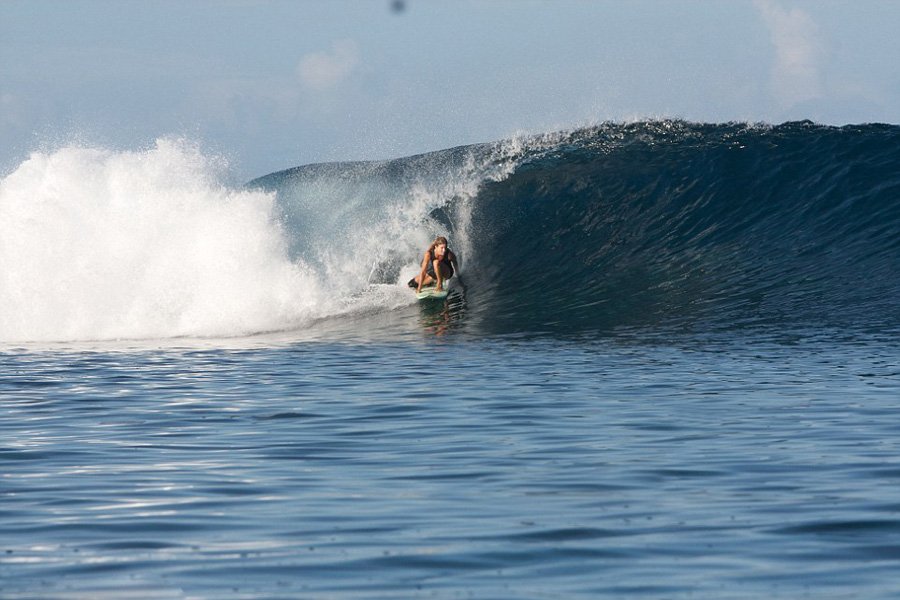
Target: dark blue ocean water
(670,369)
(453,467)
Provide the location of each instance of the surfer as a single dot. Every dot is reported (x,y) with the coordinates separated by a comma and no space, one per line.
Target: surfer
(438,265)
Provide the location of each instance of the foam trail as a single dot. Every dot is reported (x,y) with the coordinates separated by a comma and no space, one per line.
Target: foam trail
(96,244)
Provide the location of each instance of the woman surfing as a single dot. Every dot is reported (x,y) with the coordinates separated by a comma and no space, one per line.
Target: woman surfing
(438,265)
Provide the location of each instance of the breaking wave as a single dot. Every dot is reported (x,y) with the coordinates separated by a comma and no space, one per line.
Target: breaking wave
(650,224)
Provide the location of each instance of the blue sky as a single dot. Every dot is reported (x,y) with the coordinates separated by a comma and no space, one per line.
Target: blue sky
(275,84)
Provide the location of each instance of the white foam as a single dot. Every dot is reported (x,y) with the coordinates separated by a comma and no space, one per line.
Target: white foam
(96,244)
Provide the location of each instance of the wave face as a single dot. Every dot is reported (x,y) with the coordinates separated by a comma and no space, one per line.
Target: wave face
(653,225)
(699,226)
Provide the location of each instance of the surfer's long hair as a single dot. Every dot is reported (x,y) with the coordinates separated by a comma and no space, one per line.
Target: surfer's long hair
(437,242)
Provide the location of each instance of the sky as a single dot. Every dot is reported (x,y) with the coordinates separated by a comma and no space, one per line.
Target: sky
(272,84)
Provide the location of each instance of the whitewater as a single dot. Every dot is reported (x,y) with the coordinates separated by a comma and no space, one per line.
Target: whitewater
(668,368)
(103,245)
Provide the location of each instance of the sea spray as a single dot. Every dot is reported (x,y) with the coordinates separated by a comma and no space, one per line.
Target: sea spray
(97,244)
(369,222)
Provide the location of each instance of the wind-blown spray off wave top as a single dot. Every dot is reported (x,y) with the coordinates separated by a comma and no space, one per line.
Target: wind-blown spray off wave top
(644,225)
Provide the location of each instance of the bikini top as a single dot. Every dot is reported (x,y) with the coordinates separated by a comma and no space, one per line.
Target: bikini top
(448,256)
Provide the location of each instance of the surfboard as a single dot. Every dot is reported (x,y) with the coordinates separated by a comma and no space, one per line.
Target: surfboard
(430,292)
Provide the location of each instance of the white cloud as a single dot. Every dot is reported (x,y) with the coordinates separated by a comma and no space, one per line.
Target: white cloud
(796,74)
(324,70)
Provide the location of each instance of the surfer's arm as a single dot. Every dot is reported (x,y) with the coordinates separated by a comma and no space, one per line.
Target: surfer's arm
(437,274)
(422,272)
